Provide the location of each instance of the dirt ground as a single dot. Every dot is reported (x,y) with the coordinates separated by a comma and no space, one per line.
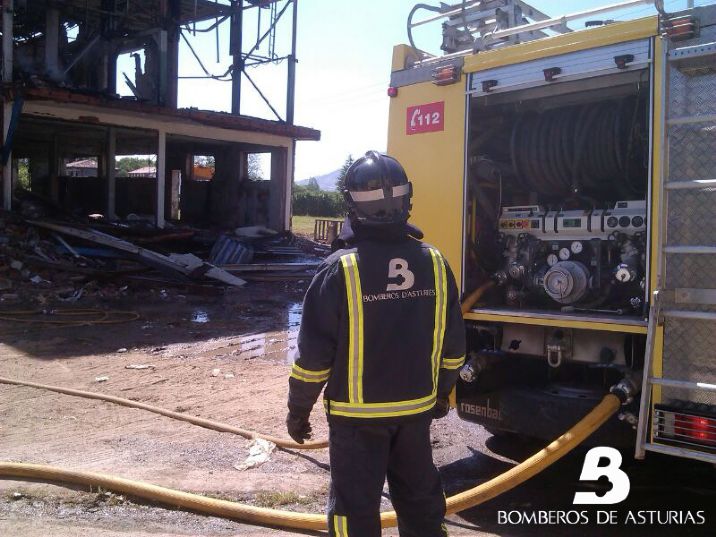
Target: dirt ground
(225,357)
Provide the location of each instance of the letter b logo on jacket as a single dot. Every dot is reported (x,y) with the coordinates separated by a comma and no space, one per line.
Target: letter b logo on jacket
(398,268)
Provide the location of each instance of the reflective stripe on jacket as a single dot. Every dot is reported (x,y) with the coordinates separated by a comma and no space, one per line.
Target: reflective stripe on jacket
(382,325)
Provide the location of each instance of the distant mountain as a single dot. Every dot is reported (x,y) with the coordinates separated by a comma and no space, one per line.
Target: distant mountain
(325,182)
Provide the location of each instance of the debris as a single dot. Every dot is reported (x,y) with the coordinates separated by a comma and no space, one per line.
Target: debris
(38,280)
(200,317)
(254,232)
(101,379)
(259,452)
(228,375)
(122,350)
(16,265)
(72,297)
(216,372)
(184,264)
(270,267)
(140,366)
(17,496)
(230,250)
(193,265)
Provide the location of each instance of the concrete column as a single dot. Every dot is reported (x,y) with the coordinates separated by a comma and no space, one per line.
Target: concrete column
(52,42)
(110,173)
(161,177)
(7,60)
(175,195)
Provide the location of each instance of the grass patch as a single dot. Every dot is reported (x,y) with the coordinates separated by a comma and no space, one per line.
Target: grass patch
(304,225)
(277,499)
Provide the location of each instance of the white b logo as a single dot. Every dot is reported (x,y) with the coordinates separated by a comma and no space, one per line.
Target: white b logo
(591,471)
(398,268)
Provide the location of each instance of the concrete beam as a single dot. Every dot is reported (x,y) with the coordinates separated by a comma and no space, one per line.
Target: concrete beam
(171,126)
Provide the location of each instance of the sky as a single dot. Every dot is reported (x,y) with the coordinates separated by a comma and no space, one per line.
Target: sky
(344,50)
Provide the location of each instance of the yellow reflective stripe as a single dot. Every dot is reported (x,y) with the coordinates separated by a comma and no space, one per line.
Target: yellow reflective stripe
(342,405)
(380,410)
(453,363)
(340,525)
(440,312)
(302,378)
(355,327)
(310,373)
(383,413)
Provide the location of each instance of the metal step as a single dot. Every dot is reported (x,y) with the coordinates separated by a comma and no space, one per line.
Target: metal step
(686,120)
(689,295)
(690,250)
(697,51)
(693,315)
(683,384)
(696,184)
(681,452)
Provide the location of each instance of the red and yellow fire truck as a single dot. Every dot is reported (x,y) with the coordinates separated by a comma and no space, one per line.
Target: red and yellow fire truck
(570,175)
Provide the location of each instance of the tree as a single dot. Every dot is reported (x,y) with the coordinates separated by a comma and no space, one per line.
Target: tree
(255,171)
(129,164)
(313,185)
(340,182)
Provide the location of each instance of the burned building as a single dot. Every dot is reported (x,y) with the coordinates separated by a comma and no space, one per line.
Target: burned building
(61,106)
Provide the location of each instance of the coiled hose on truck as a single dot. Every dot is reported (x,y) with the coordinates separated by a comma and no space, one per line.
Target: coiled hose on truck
(306,521)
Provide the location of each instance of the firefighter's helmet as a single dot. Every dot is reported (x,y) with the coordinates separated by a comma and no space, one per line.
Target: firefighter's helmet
(377,190)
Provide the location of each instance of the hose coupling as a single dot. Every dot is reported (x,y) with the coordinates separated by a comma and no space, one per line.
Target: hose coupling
(625,390)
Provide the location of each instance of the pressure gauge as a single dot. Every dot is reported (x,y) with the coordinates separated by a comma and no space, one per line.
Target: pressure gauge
(552,259)
(564,254)
(576,247)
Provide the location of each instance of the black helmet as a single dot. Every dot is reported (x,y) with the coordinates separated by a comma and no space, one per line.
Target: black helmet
(377,190)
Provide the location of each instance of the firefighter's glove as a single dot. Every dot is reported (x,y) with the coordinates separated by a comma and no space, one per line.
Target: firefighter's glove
(297,425)
(442,407)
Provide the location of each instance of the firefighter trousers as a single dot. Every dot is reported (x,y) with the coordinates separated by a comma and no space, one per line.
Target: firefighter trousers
(362,456)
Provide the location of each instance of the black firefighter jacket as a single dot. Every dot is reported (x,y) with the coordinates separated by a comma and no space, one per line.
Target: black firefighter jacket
(382,326)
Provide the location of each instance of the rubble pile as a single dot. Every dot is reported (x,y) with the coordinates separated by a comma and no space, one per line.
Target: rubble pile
(44,260)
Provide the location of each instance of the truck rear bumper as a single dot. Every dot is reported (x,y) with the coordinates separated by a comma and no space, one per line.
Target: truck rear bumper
(540,413)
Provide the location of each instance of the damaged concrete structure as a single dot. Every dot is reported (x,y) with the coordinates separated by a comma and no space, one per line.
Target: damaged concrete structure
(60,105)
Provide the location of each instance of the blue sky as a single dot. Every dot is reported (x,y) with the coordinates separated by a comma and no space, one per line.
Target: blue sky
(344,51)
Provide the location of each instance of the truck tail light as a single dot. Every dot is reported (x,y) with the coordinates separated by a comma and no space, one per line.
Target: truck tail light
(442,76)
(685,427)
(680,28)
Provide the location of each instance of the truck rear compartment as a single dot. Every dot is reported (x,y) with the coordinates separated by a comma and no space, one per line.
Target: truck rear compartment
(557,217)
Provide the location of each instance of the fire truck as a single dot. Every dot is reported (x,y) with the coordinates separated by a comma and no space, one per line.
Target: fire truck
(570,176)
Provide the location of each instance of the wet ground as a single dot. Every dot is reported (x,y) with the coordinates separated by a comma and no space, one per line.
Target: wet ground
(225,356)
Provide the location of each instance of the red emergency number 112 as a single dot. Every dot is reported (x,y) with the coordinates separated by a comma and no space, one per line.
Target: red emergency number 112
(425,118)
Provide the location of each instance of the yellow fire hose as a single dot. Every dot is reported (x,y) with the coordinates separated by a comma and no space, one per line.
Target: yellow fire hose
(196,420)
(307,521)
(286,519)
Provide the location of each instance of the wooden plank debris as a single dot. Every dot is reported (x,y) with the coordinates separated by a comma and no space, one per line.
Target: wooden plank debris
(186,265)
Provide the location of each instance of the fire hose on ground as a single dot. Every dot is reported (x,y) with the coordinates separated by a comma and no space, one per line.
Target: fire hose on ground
(286,519)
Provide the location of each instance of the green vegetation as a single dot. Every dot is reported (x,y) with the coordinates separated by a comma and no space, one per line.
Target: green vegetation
(341,183)
(303,225)
(310,200)
(277,499)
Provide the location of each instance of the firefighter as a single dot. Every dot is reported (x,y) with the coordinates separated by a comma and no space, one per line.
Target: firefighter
(382,329)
